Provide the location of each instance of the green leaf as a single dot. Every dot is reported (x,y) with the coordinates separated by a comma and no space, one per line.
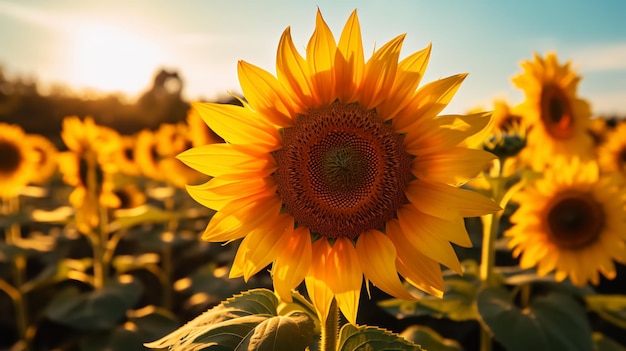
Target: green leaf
(603,343)
(151,322)
(555,321)
(611,308)
(247,321)
(429,339)
(295,330)
(118,339)
(98,309)
(143,214)
(365,338)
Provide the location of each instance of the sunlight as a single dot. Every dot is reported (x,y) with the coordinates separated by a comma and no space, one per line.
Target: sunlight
(107,58)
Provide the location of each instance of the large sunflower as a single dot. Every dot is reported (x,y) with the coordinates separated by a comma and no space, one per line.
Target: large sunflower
(558,118)
(339,168)
(571,221)
(90,156)
(18,162)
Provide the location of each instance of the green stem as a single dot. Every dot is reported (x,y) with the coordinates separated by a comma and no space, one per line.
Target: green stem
(98,237)
(330,329)
(166,255)
(18,266)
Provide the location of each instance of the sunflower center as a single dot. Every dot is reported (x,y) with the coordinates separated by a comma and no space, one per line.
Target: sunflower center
(556,112)
(10,158)
(575,220)
(341,170)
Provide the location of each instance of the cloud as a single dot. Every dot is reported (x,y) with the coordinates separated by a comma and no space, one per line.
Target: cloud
(607,57)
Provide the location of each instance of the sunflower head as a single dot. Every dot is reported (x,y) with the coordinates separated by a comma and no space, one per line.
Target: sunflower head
(89,165)
(339,168)
(572,221)
(508,135)
(558,118)
(18,161)
(47,154)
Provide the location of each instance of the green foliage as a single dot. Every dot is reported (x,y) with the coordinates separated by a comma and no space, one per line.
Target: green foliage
(99,309)
(365,338)
(554,321)
(429,339)
(248,321)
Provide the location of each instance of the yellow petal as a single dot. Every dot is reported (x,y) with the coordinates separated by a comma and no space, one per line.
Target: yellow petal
(292,263)
(320,55)
(262,245)
(227,160)
(349,60)
(265,94)
(447,202)
(453,167)
(344,277)
(238,218)
(423,234)
(292,69)
(420,271)
(380,73)
(316,279)
(218,192)
(377,257)
(410,73)
(238,125)
(429,101)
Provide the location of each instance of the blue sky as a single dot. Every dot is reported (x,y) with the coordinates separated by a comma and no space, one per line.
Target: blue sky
(117,45)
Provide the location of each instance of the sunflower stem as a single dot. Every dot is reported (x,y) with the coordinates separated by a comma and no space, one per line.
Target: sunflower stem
(330,329)
(491,227)
(18,266)
(98,237)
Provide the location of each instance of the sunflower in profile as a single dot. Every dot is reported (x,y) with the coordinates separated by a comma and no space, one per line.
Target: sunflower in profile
(89,163)
(571,221)
(558,118)
(612,153)
(47,154)
(339,168)
(18,162)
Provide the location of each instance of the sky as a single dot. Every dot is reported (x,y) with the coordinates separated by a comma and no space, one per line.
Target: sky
(117,46)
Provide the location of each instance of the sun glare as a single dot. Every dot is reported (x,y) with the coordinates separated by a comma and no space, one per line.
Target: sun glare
(108,58)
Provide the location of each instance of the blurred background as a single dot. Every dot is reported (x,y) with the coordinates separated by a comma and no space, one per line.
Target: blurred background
(133,65)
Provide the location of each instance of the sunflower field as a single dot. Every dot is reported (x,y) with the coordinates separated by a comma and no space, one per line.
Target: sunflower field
(333,206)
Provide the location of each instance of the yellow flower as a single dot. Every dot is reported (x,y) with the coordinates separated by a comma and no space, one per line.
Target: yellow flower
(571,221)
(199,132)
(612,153)
(124,157)
(18,162)
(90,160)
(46,157)
(339,168)
(146,155)
(559,120)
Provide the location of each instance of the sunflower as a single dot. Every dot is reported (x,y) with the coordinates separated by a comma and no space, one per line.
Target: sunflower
(199,132)
(91,147)
(125,156)
(18,162)
(46,157)
(571,221)
(612,153)
(339,168)
(146,155)
(559,119)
